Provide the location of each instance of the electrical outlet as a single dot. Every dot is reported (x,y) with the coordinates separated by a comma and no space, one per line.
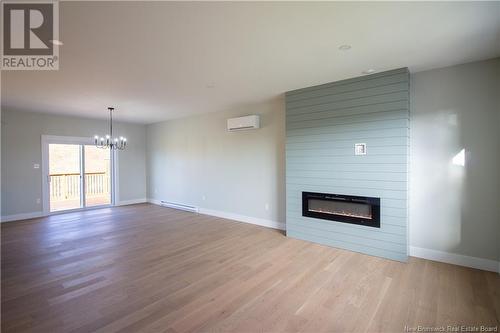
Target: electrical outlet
(38,200)
(156,190)
(266,206)
(36,166)
(203,198)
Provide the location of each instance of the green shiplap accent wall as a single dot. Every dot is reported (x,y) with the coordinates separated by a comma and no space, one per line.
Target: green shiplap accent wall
(322,125)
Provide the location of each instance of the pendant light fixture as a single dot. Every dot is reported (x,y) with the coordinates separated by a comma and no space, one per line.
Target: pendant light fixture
(108,141)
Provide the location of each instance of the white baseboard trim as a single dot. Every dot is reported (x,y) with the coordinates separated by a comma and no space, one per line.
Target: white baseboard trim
(243,218)
(154,201)
(132,202)
(456,259)
(23,216)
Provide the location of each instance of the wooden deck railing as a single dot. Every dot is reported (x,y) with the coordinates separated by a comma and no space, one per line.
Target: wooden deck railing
(66,186)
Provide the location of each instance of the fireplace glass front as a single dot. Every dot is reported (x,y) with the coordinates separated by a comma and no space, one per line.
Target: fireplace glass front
(342,208)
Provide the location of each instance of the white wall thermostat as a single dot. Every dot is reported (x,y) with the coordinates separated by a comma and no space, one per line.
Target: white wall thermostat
(360,149)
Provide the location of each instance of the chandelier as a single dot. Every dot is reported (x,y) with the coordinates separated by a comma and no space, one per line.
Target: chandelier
(108,141)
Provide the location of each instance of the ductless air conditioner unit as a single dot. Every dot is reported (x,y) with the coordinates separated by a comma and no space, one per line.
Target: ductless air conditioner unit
(243,123)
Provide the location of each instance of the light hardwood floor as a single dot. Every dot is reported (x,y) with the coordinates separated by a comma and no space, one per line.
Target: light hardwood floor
(144,268)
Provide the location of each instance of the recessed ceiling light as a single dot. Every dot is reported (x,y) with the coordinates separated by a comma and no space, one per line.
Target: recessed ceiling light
(56,42)
(344,47)
(369,71)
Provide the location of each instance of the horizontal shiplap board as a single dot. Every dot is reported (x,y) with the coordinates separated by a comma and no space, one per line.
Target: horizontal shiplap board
(373,184)
(353,86)
(343,229)
(351,111)
(357,119)
(396,230)
(356,247)
(351,103)
(346,167)
(352,135)
(343,128)
(364,192)
(349,143)
(348,95)
(341,83)
(338,235)
(372,151)
(383,159)
(349,175)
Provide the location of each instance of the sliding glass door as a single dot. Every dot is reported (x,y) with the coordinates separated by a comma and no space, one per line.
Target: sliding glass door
(97,176)
(65,177)
(78,176)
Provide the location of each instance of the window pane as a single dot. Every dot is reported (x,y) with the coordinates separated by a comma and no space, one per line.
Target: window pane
(64,176)
(97,176)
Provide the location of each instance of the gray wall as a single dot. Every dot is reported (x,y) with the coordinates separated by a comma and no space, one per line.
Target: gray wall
(453,208)
(195,161)
(323,124)
(21,148)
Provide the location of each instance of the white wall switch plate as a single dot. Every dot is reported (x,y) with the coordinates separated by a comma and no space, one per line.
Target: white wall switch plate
(360,149)
(36,166)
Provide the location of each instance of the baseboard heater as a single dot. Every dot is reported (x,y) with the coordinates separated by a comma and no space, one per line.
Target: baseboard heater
(179,206)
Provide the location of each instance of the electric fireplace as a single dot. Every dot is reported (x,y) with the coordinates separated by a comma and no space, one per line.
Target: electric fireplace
(342,208)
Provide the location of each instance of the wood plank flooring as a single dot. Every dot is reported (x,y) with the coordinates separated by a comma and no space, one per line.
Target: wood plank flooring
(145,268)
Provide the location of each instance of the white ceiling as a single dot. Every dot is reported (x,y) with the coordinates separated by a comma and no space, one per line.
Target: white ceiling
(154,61)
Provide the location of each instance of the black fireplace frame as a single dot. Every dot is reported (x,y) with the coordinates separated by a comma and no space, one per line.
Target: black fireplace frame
(374,202)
